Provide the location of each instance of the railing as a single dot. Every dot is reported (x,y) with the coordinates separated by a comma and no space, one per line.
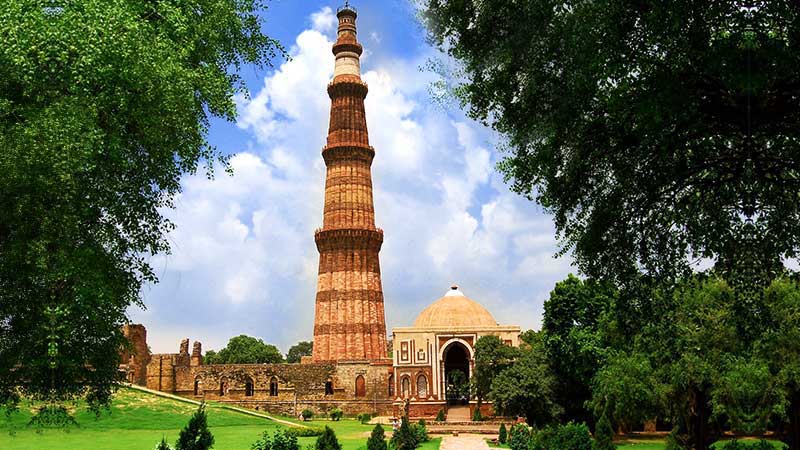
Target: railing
(346,7)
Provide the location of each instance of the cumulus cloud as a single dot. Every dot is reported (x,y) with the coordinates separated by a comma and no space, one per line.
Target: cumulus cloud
(244,259)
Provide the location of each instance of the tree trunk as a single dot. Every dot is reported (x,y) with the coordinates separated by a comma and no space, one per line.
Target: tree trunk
(699,433)
(793,438)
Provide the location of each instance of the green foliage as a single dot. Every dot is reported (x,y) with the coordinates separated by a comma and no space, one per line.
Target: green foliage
(307,414)
(163,445)
(502,435)
(335,414)
(736,444)
(562,437)
(747,395)
(626,389)
(305,431)
(104,106)
(476,415)
(377,440)
(196,435)
(574,340)
(297,351)
(457,384)
(491,357)
(405,437)
(440,416)
(630,146)
(604,434)
(526,388)
(364,417)
(520,437)
(280,440)
(327,441)
(244,349)
(421,430)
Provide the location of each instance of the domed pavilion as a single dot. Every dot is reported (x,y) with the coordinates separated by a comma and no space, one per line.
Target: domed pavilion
(434,359)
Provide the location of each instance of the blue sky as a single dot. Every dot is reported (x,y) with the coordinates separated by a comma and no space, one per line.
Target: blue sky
(243,257)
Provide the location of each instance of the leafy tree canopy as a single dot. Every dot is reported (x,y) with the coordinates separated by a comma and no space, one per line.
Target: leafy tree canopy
(656,133)
(491,357)
(297,351)
(103,107)
(244,349)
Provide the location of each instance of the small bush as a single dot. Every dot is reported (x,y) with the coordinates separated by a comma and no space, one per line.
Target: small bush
(335,414)
(405,438)
(377,441)
(604,434)
(520,437)
(163,445)
(477,416)
(307,414)
(422,431)
(440,416)
(563,437)
(195,435)
(364,417)
(279,441)
(502,435)
(305,431)
(327,441)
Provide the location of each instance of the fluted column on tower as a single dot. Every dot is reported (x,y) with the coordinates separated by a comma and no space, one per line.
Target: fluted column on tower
(349,319)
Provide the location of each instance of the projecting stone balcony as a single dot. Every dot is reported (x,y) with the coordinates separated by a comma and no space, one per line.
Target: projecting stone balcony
(341,238)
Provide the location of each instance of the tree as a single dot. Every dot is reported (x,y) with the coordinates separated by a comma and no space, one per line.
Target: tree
(491,357)
(502,435)
(377,440)
(572,334)
(244,349)
(520,437)
(281,440)
(604,434)
(195,435)
(163,445)
(297,351)
(103,107)
(655,133)
(327,441)
(405,437)
(627,390)
(526,388)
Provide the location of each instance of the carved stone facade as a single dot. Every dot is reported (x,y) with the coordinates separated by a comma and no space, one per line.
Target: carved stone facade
(349,318)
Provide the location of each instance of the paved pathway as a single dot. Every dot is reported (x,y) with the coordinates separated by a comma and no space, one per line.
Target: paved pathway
(464,443)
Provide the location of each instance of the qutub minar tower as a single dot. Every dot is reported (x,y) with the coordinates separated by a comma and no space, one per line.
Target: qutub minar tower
(349,319)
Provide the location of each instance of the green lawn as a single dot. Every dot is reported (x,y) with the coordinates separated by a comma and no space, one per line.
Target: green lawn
(138,421)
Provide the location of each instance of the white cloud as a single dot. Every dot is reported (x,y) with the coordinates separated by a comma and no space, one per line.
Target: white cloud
(244,258)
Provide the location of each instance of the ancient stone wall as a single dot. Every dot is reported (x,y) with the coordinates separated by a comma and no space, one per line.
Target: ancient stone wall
(134,359)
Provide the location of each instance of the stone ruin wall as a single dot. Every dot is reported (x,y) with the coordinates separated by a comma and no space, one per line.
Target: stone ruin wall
(134,360)
(300,386)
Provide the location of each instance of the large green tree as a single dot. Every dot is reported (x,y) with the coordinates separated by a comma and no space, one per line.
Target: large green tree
(573,334)
(656,133)
(492,356)
(245,349)
(104,105)
(526,388)
(297,351)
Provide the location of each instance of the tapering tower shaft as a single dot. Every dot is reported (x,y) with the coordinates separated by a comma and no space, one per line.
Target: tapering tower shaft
(349,320)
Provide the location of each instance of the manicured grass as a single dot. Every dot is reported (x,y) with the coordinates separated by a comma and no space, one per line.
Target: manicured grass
(138,420)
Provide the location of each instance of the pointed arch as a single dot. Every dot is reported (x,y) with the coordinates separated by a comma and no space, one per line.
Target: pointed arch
(361,386)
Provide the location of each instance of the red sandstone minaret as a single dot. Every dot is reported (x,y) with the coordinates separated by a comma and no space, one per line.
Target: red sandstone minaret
(349,322)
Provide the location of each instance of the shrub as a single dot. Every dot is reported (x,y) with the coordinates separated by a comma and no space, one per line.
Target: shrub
(163,445)
(377,441)
(195,436)
(364,417)
(307,414)
(405,438)
(440,416)
(477,416)
(305,431)
(604,434)
(328,441)
(422,431)
(520,437)
(502,436)
(563,437)
(335,414)
(280,441)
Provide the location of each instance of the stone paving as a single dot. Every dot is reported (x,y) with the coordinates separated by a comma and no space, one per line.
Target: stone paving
(464,442)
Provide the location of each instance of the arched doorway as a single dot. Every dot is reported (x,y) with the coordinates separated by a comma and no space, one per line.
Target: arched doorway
(456,373)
